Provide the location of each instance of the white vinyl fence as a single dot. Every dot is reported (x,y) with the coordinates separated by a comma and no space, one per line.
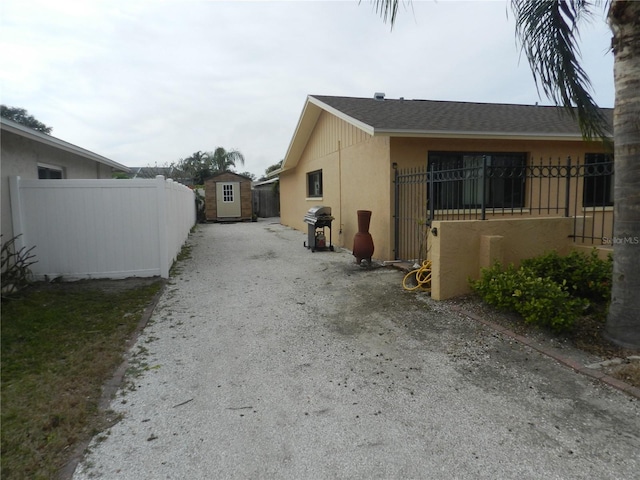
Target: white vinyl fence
(101,228)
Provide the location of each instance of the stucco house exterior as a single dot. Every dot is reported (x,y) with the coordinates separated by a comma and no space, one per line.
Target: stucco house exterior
(31,155)
(345,153)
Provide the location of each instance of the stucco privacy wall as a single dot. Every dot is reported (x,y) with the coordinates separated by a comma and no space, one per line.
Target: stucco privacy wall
(21,156)
(462,247)
(356,175)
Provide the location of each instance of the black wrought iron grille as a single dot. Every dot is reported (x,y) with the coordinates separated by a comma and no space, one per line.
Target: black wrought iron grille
(463,186)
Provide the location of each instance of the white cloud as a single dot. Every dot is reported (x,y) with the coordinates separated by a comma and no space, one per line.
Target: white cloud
(150,82)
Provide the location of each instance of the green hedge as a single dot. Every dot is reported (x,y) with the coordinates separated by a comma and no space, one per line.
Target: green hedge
(550,290)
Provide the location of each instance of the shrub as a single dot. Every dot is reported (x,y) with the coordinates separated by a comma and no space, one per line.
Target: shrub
(540,300)
(16,273)
(586,276)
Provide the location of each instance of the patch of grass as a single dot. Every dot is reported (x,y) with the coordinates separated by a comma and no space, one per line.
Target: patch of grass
(60,343)
(184,254)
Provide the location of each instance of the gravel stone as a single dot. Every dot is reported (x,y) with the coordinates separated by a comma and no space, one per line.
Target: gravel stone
(265,360)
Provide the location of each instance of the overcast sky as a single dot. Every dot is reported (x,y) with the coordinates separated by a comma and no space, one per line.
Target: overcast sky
(150,82)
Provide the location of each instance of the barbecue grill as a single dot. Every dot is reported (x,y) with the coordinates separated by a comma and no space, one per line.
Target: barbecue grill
(317,219)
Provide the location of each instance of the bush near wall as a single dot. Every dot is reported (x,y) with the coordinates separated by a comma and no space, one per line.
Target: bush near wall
(550,290)
(587,276)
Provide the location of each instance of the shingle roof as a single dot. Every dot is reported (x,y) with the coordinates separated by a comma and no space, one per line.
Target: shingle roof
(430,116)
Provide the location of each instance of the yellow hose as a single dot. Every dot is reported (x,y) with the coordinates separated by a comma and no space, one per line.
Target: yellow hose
(422,276)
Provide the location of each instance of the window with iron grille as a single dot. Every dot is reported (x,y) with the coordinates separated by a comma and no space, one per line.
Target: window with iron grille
(598,180)
(227,193)
(460,182)
(314,184)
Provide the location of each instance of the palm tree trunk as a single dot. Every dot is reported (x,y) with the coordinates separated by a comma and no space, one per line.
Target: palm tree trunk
(623,322)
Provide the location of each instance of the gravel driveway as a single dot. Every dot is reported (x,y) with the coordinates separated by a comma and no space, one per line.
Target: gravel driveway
(265,360)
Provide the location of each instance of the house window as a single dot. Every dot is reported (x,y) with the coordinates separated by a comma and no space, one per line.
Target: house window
(227,193)
(314,184)
(598,180)
(458,180)
(49,172)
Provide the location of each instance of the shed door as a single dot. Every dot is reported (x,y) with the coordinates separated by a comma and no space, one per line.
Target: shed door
(228,199)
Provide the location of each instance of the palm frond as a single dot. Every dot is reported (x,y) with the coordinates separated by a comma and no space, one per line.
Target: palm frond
(548,32)
(387,9)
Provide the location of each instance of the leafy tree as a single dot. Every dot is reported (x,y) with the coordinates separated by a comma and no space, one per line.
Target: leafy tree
(196,167)
(549,33)
(201,165)
(21,116)
(225,160)
(272,168)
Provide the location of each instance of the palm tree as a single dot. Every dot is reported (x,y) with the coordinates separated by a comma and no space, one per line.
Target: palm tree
(548,31)
(222,160)
(195,167)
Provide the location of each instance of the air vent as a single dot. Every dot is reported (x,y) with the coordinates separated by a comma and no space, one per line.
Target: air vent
(378,96)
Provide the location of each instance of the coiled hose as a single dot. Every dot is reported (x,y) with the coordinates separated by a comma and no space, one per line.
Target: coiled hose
(422,277)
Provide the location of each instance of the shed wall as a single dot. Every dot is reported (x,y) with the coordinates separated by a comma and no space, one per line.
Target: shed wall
(211,204)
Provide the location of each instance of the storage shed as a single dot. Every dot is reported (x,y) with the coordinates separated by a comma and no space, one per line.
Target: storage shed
(228,197)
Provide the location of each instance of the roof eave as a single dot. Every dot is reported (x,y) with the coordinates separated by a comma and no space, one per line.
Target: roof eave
(306,123)
(54,142)
(365,127)
(574,137)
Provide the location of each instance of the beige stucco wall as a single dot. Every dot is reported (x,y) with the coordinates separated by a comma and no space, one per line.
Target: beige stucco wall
(462,247)
(21,156)
(356,175)
(413,152)
(408,151)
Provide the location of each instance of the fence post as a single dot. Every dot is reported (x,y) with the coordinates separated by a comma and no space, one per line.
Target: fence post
(396,213)
(17,218)
(567,195)
(483,176)
(432,194)
(163,241)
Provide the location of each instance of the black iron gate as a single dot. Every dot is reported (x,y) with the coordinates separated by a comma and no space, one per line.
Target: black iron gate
(411,214)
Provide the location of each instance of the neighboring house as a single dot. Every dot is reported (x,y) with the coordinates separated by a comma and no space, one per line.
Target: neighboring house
(34,155)
(150,172)
(228,197)
(153,172)
(62,203)
(346,154)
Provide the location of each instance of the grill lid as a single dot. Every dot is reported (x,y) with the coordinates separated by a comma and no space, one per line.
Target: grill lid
(318,210)
(318,213)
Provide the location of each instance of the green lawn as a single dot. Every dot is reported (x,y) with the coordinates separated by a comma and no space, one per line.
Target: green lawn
(60,343)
